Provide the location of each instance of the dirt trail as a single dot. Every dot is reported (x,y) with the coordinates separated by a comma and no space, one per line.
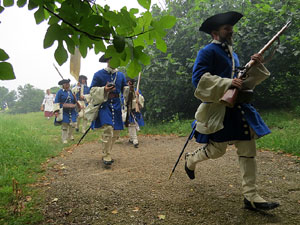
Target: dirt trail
(136,189)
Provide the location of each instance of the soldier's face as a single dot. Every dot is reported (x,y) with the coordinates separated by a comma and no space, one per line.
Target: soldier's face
(66,86)
(225,33)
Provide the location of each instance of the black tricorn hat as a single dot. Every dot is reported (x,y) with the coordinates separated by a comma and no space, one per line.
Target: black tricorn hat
(82,77)
(64,81)
(214,22)
(130,79)
(104,59)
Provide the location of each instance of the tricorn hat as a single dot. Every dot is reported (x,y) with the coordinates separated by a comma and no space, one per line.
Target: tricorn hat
(82,77)
(214,22)
(130,79)
(104,59)
(64,81)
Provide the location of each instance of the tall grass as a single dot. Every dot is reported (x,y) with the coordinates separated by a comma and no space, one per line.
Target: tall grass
(27,140)
(285,128)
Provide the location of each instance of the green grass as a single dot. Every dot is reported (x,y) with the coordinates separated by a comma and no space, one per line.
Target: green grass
(28,140)
(285,128)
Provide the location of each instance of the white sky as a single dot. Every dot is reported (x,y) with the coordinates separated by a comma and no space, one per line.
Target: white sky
(22,39)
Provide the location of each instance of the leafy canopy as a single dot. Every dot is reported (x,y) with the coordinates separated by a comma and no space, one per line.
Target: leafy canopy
(122,35)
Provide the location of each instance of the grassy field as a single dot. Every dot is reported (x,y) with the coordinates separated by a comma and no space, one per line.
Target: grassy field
(27,141)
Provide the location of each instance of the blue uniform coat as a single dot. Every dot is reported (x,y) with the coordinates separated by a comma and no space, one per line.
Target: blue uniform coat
(63,96)
(110,111)
(137,116)
(237,121)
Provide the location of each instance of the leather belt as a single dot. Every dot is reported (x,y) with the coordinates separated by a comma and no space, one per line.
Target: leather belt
(113,95)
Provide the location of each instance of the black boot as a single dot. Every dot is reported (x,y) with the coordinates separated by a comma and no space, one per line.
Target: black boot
(260,205)
(108,163)
(190,173)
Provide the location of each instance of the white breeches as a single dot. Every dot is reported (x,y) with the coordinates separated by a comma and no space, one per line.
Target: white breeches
(132,130)
(109,137)
(67,131)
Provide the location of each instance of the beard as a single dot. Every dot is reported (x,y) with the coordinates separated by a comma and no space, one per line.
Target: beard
(227,40)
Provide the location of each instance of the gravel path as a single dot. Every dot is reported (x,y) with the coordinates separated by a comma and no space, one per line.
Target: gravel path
(136,189)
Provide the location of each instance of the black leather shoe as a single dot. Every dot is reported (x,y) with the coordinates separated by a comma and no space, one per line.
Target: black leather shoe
(130,141)
(136,145)
(190,173)
(108,163)
(260,205)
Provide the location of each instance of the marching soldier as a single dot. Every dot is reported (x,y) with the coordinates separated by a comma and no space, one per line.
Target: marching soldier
(134,119)
(66,101)
(107,85)
(82,93)
(218,125)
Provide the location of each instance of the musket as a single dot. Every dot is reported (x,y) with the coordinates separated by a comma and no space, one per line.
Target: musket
(58,71)
(129,109)
(230,96)
(137,107)
(187,141)
(85,133)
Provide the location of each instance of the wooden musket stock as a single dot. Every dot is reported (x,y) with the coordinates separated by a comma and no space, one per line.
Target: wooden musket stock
(137,107)
(229,98)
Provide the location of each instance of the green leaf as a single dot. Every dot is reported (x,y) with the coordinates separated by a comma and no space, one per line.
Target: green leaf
(145,20)
(133,69)
(126,56)
(8,3)
(167,21)
(70,45)
(21,3)
(53,20)
(51,35)
(39,15)
(99,47)
(114,62)
(32,5)
(119,43)
(3,55)
(139,41)
(140,55)
(85,43)
(133,11)
(6,71)
(1,9)
(60,54)
(161,45)
(145,3)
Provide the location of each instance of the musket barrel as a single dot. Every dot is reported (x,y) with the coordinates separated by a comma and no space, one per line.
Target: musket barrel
(275,37)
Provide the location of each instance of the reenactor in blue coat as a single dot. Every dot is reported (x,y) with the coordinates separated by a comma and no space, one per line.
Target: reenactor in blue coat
(66,101)
(107,85)
(82,93)
(214,72)
(132,112)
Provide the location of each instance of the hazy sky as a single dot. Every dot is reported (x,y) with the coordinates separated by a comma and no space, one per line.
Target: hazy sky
(22,39)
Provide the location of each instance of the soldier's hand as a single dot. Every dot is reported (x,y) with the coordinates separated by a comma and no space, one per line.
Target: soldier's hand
(258,58)
(237,83)
(109,89)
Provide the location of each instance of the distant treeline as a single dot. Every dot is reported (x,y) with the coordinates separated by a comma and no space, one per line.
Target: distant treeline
(27,99)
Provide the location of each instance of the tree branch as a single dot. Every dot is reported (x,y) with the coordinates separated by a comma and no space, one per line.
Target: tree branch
(93,37)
